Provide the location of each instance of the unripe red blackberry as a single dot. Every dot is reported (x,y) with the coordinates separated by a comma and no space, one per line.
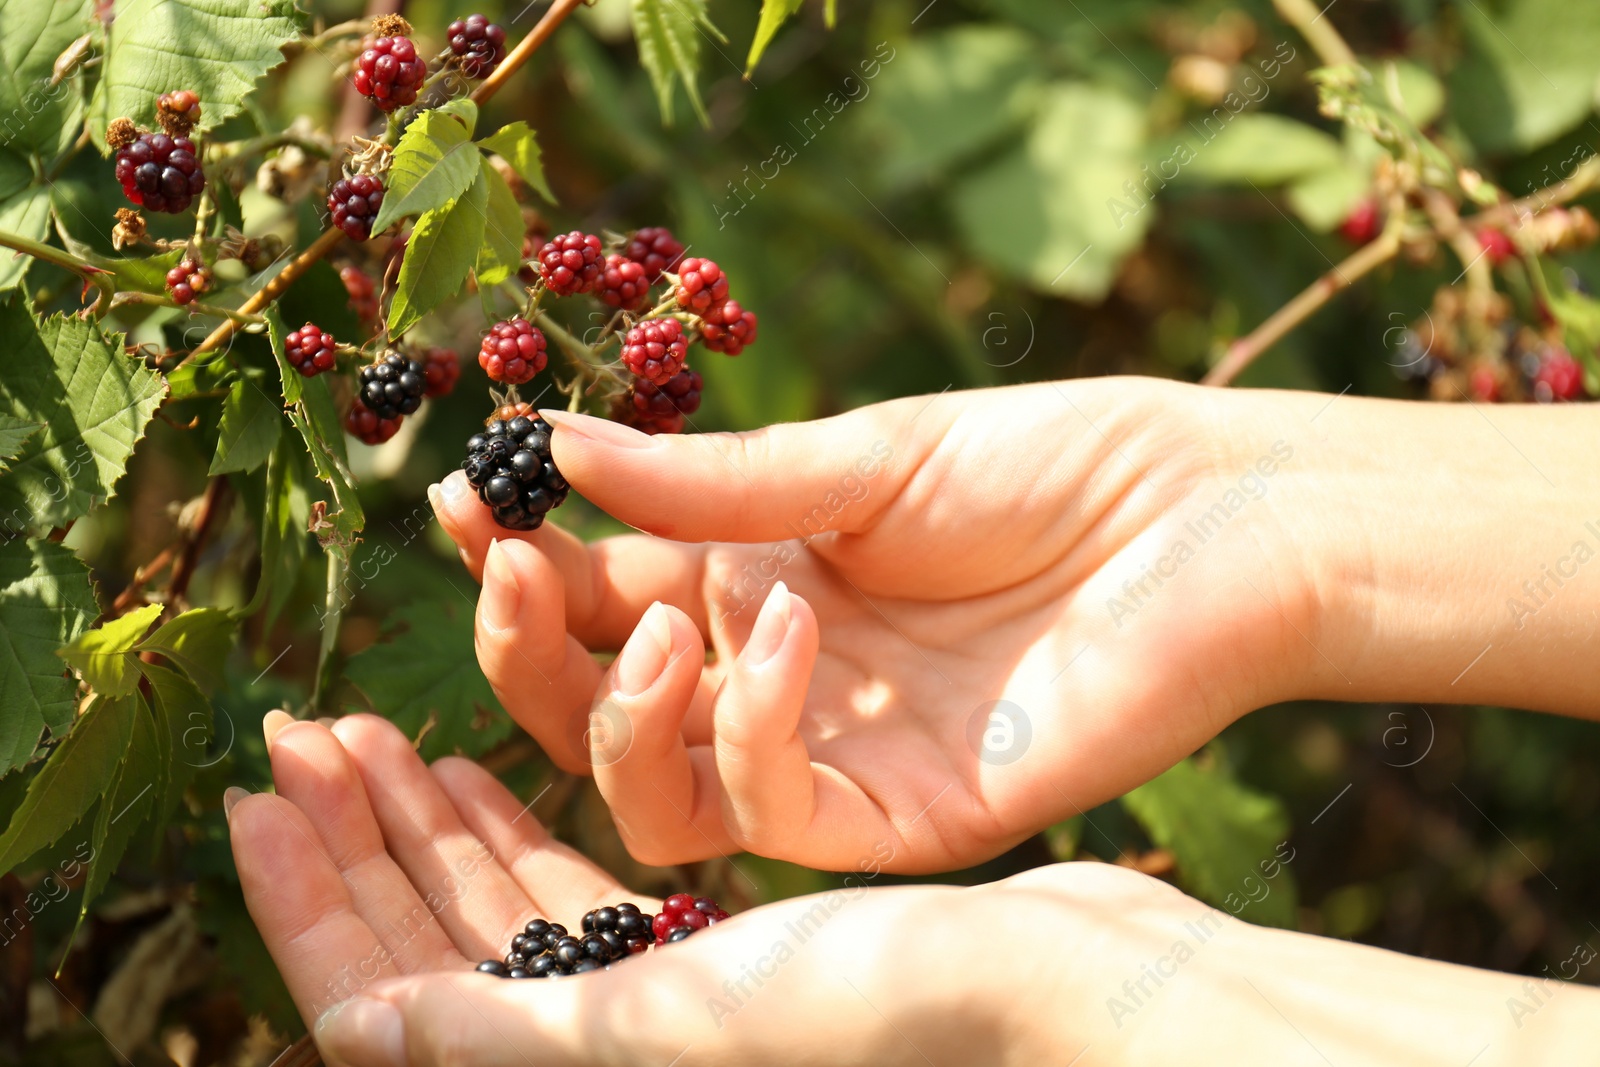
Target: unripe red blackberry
(623,283)
(364,424)
(354,203)
(728,328)
(1496,244)
(513,351)
(655,249)
(510,466)
(571,263)
(363,292)
(478,44)
(701,285)
(310,351)
(393,386)
(188,280)
(1363,222)
(655,350)
(661,408)
(442,368)
(681,915)
(178,112)
(1485,385)
(159,172)
(508,411)
(390,72)
(1558,378)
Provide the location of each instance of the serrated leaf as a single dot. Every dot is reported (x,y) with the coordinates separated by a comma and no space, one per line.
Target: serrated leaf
(318,422)
(518,145)
(185,723)
(250,425)
(218,48)
(668,33)
(443,247)
(46,601)
(14,433)
(501,253)
(127,802)
(774,13)
(146,274)
(34,115)
(1224,837)
(427,671)
(103,656)
(292,380)
(433,164)
(285,508)
(198,641)
(27,215)
(94,404)
(77,774)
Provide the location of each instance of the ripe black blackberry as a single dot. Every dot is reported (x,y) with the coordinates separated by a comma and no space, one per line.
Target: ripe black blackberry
(479,45)
(393,386)
(354,203)
(156,171)
(188,280)
(623,283)
(311,351)
(545,949)
(655,350)
(655,249)
(510,466)
(571,263)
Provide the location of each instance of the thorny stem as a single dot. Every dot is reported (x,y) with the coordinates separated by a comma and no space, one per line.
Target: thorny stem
(102,279)
(271,291)
(1324,39)
(195,307)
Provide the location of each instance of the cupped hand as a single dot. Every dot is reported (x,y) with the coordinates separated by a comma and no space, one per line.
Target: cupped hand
(936,624)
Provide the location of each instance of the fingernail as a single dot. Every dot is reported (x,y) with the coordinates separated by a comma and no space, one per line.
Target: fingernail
(326,721)
(453,488)
(497,604)
(272,725)
(600,431)
(435,498)
(645,655)
(772,625)
(231,797)
(364,1031)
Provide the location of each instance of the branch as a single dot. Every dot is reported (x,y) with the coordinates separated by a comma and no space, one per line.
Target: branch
(1245,350)
(1582,180)
(1317,30)
(183,570)
(102,279)
(525,49)
(194,306)
(271,291)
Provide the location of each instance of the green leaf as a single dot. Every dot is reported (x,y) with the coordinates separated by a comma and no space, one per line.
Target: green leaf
(26,215)
(277,332)
(518,146)
(15,173)
(1260,148)
(285,508)
(434,163)
(34,115)
(317,420)
(443,247)
(427,672)
(668,33)
(250,424)
(127,802)
(80,770)
(94,403)
(147,274)
(1528,72)
(1324,198)
(774,13)
(103,655)
(14,433)
(501,253)
(1054,211)
(1224,836)
(199,641)
(218,48)
(184,727)
(46,601)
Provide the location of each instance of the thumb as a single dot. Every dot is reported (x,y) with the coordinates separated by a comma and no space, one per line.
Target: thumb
(784,481)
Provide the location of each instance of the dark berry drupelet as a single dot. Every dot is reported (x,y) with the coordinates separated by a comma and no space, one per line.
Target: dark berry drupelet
(513,351)
(510,466)
(478,44)
(311,351)
(188,280)
(728,328)
(390,72)
(655,350)
(655,249)
(571,263)
(442,368)
(364,424)
(160,172)
(354,203)
(623,283)
(393,386)
(661,408)
(701,285)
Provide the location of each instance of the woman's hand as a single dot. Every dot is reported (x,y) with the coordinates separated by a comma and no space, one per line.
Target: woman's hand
(871,586)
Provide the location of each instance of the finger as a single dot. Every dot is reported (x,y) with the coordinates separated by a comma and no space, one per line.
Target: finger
(763,485)
(301,905)
(477,902)
(560,882)
(663,795)
(312,770)
(607,585)
(544,678)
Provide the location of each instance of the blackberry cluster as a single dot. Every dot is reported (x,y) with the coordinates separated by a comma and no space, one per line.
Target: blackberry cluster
(442,368)
(160,172)
(655,249)
(728,328)
(661,408)
(681,915)
(609,935)
(623,284)
(393,386)
(571,263)
(513,351)
(311,351)
(655,350)
(188,280)
(362,423)
(510,466)
(354,203)
(390,72)
(478,45)
(701,285)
